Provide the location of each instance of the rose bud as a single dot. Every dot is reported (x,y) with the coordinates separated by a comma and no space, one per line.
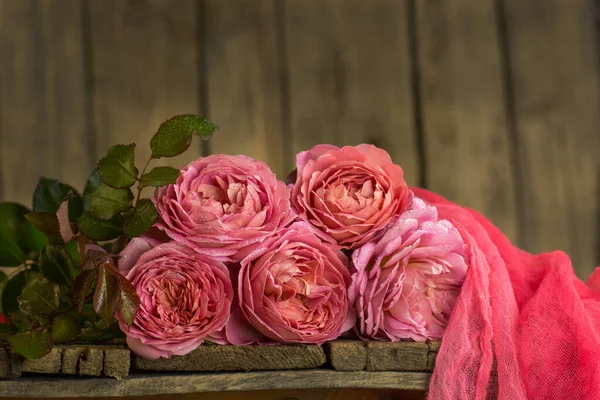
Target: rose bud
(407,282)
(185,297)
(221,204)
(292,288)
(348,194)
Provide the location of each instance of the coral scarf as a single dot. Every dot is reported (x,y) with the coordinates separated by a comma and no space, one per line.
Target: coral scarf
(523,327)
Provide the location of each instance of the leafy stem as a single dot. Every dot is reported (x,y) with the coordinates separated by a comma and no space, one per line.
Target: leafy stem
(139,189)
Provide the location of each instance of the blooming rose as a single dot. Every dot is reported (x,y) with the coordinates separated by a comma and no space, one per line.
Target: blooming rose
(292,288)
(185,297)
(223,203)
(406,283)
(348,195)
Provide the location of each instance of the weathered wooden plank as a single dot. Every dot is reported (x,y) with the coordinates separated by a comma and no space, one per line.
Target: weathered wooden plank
(144,62)
(350,76)
(49,364)
(117,362)
(82,360)
(347,355)
(238,358)
(152,384)
(42,96)
(10,363)
(356,355)
(398,356)
(88,360)
(466,135)
(243,79)
(434,347)
(552,53)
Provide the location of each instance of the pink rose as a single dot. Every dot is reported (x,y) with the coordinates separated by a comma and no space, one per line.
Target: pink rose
(292,288)
(221,204)
(406,283)
(185,297)
(348,195)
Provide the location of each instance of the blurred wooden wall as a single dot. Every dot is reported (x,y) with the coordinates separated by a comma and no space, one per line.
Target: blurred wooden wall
(493,104)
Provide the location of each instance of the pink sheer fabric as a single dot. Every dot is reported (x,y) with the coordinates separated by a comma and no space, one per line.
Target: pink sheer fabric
(523,327)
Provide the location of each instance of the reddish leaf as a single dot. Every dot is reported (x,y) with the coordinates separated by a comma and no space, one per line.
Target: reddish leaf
(94,256)
(62,215)
(130,302)
(81,243)
(107,295)
(82,285)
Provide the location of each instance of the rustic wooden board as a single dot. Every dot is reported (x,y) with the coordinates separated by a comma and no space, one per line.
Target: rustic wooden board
(144,70)
(238,358)
(153,384)
(43,113)
(466,136)
(84,360)
(356,355)
(553,53)
(243,79)
(350,78)
(10,363)
(347,355)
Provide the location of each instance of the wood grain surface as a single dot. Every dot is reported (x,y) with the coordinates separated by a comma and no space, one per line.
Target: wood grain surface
(238,358)
(143,66)
(557,121)
(43,127)
(243,80)
(465,131)
(349,77)
(153,384)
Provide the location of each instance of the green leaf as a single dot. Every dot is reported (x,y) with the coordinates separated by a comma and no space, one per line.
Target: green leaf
(83,283)
(64,328)
(7,330)
(174,136)
(32,344)
(50,193)
(3,283)
(32,238)
(100,229)
(73,251)
(130,302)
(118,167)
(47,223)
(92,184)
(107,294)
(159,176)
(56,264)
(11,254)
(90,334)
(108,202)
(13,290)
(14,224)
(21,322)
(40,296)
(141,220)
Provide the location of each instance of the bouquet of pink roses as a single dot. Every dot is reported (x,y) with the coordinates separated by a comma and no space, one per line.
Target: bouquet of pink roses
(238,257)
(227,253)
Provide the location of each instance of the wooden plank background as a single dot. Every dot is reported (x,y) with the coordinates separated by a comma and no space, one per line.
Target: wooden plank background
(493,104)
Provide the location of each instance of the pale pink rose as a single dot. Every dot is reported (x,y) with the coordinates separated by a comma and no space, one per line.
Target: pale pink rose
(406,283)
(348,194)
(185,297)
(292,288)
(221,204)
